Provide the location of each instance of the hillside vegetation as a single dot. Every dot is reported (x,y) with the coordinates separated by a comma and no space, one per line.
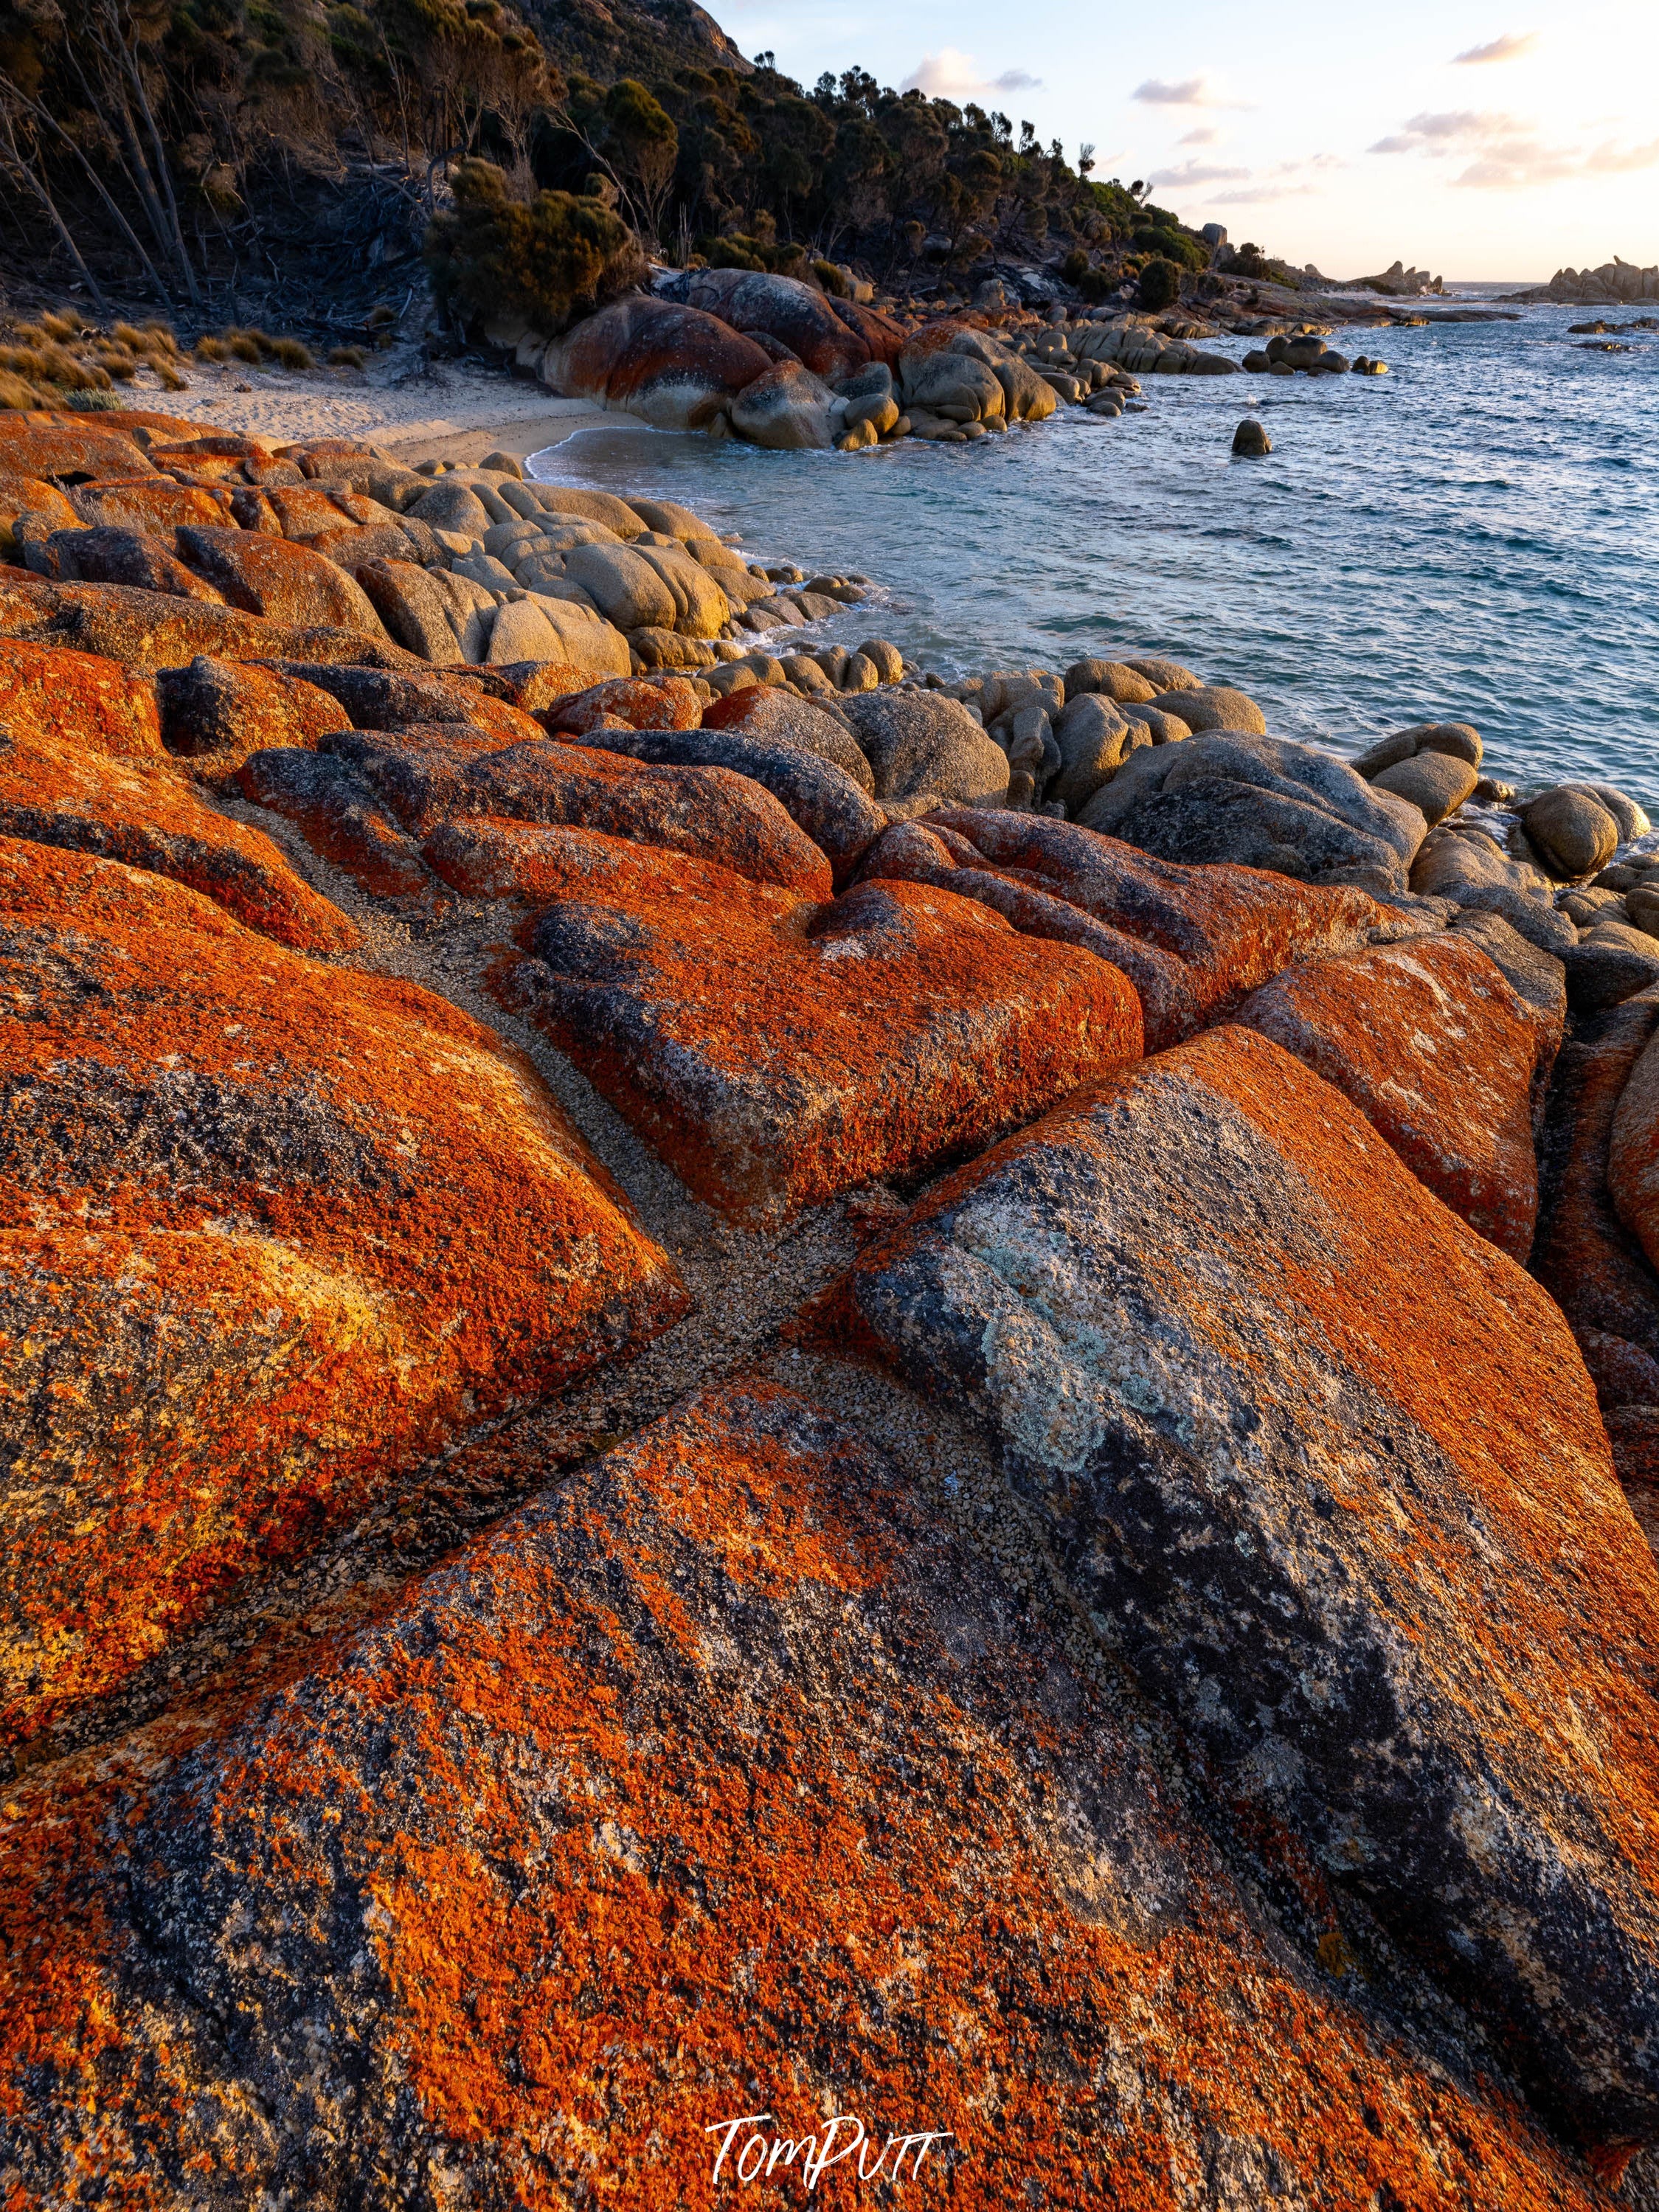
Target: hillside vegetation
(214,157)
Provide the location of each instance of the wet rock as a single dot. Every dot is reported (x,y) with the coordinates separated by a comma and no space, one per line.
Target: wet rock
(288,1227)
(1442,1057)
(1572,832)
(923,741)
(1435,783)
(1194,941)
(1210,1322)
(776,1051)
(1263,802)
(1251,438)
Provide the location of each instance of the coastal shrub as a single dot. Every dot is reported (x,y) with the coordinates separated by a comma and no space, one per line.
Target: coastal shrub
(544,259)
(833,278)
(1171,244)
(1160,285)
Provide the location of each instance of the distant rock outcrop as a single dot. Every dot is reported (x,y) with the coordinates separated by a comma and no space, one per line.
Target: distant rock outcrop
(1613,284)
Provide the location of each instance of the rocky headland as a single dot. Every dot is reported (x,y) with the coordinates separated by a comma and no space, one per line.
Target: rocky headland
(758,1408)
(1616,283)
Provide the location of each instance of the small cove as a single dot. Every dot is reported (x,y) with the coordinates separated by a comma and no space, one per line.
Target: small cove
(1474,537)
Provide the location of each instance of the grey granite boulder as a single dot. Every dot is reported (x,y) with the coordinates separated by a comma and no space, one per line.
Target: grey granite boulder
(1265,802)
(1463,863)
(1435,783)
(923,741)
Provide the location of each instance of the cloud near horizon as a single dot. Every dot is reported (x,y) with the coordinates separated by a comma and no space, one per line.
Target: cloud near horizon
(1205,135)
(1190,92)
(1506,153)
(1508,48)
(951,75)
(1284,180)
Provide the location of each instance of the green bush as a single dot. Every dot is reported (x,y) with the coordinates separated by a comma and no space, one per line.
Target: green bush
(546,260)
(1173,246)
(1160,285)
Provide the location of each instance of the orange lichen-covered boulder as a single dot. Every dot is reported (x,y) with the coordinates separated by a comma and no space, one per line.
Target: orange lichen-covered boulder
(721,1781)
(1590,1263)
(1194,940)
(425,777)
(1326,1468)
(673,366)
(668,704)
(215,713)
(149,629)
(378,699)
(154,503)
(71,451)
(1442,1057)
(143,813)
(757,303)
(776,1051)
(284,582)
(96,702)
(274,1230)
(106,555)
(23,495)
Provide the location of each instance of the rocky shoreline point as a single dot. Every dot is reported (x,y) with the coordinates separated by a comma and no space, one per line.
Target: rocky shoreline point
(738,353)
(751,1396)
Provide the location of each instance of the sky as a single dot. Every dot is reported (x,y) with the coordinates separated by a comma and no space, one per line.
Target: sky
(1480,139)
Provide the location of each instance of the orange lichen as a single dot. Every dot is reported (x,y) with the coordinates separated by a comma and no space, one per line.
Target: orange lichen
(722,1782)
(1440,1057)
(94,703)
(776,1051)
(145,814)
(273,1231)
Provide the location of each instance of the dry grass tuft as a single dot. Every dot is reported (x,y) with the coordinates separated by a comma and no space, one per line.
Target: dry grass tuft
(347,357)
(211,349)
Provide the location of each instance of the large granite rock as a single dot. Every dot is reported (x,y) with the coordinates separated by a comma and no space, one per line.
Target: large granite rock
(1325,1467)
(415,780)
(920,741)
(145,814)
(673,366)
(723,1763)
(776,1051)
(1442,1057)
(829,804)
(153,629)
(81,698)
(775,717)
(1193,941)
(1464,863)
(276,1231)
(798,315)
(1265,802)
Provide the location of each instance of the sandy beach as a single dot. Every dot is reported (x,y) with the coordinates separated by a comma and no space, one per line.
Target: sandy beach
(447,410)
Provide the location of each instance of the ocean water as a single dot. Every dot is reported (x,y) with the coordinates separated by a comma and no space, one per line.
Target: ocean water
(1473,538)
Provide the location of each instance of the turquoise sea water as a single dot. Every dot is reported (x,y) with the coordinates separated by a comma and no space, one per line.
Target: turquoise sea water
(1474,537)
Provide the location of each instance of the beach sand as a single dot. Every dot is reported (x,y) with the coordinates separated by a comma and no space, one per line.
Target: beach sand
(446,410)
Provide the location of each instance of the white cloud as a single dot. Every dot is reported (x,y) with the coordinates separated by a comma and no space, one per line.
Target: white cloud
(1190,92)
(1506,153)
(1191,175)
(1206,135)
(951,75)
(1508,48)
(1246,187)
